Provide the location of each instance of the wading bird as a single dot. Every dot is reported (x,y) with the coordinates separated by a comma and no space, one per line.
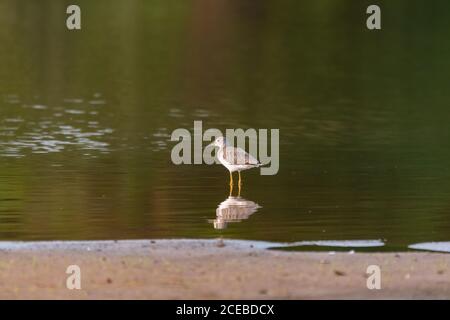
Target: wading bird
(234,159)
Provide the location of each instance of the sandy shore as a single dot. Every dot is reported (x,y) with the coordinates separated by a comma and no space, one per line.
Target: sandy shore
(212,269)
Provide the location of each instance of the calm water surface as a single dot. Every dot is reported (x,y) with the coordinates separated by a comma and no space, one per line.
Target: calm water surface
(86,118)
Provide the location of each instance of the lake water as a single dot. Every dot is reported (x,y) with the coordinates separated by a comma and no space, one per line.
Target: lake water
(86,118)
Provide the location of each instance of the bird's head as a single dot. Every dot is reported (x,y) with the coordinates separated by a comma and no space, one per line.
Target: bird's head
(219,142)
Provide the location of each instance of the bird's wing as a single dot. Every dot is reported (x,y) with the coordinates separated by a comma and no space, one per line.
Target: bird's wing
(237,156)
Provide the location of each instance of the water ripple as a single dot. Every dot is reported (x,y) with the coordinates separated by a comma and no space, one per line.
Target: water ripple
(49,129)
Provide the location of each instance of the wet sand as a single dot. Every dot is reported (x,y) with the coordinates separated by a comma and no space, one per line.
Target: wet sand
(213,269)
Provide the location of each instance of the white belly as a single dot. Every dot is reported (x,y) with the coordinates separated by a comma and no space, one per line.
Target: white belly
(232,167)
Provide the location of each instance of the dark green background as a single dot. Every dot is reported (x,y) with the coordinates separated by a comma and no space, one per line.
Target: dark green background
(363,118)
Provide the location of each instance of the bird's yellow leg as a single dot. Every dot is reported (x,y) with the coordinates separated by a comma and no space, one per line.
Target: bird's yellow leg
(239,184)
(231,183)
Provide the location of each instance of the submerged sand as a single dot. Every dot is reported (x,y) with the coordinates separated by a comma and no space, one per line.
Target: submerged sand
(213,269)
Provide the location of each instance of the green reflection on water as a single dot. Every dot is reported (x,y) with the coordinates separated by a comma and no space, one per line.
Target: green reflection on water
(85,118)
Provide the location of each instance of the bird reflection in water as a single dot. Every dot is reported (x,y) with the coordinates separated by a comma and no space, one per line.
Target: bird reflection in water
(234,209)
